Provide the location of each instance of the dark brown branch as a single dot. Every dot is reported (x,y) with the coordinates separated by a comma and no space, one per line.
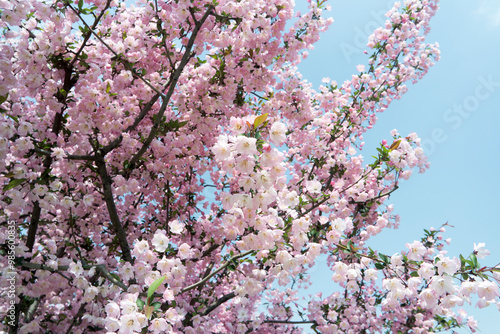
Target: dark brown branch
(69,83)
(113,212)
(396,187)
(175,78)
(35,218)
(100,267)
(145,110)
(110,277)
(80,313)
(218,302)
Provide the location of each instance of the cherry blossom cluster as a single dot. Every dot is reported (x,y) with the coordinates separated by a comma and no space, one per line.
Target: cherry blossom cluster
(168,170)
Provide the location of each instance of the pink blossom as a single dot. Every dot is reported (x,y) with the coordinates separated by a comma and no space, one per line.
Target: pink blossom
(245,145)
(58,153)
(185,251)
(176,227)
(76,268)
(168,294)
(278,133)
(158,325)
(221,149)
(153,142)
(160,241)
(238,125)
(313,186)
(480,251)
(448,266)
(130,324)
(487,290)
(172,316)
(141,247)
(426,270)
(417,251)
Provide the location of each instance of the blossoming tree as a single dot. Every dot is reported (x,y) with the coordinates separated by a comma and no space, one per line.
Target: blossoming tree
(168,171)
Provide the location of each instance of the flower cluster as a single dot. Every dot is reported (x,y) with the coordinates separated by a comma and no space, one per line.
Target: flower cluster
(168,169)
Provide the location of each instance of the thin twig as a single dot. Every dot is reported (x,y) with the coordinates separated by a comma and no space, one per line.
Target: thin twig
(289,322)
(96,22)
(100,267)
(175,78)
(224,266)
(119,57)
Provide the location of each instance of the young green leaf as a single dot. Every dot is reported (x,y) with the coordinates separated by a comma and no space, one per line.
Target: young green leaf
(153,287)
(140,304)
(259,120)
(13,183)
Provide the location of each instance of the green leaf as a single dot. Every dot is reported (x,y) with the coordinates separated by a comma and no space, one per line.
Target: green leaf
(414,274)
(379,266)
(108,87)
(384,258)
(156,305)
(14,118)
(140,304)
(462,260)
(13,183)
(474,261)
(80,5)
(3,98)
(259,120)
(154,286)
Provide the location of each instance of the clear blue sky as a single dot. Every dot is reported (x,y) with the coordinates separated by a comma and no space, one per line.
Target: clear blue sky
(456,113)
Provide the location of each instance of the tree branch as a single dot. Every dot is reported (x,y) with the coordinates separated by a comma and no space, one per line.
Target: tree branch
(100,267)
(175,78)
(86,38)
(119,57)
(289,322)
(69,83)
(206,278)
(81,310)
(218,302)
(113,212)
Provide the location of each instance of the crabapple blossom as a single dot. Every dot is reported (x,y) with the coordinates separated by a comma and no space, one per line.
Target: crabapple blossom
(245,146)
(480,250)
(487,290)
(176,227)
(416,250)
(160,241)
(167,169)
(448,266)
(278,133)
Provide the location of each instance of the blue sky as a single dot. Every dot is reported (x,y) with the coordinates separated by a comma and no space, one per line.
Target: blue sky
(454,109)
